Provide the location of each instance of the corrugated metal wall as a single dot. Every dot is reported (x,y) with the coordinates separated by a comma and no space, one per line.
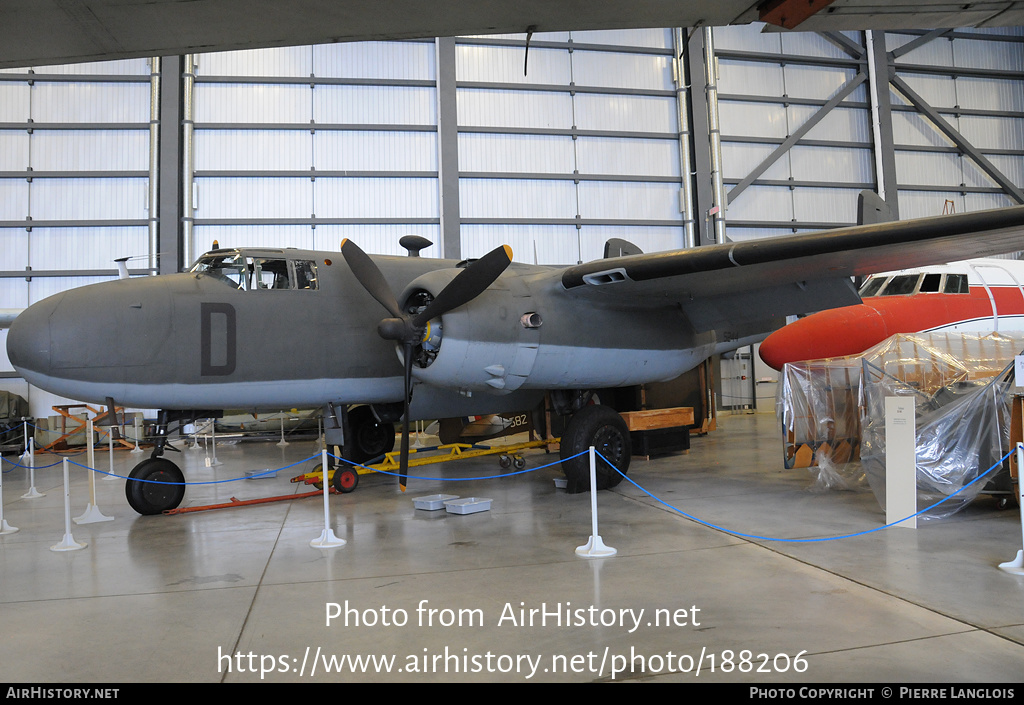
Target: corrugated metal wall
(74,178)
(770,84)
(973,79)
(763,100)
(305,146)
(568,144)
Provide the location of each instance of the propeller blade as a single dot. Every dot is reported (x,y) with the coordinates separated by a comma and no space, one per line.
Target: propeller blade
(403,463)
(370,276)
(470,283)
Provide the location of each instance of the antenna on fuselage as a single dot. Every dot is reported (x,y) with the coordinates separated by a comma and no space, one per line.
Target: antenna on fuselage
(414,243)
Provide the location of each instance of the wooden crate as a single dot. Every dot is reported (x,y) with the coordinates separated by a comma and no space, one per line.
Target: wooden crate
(658,418)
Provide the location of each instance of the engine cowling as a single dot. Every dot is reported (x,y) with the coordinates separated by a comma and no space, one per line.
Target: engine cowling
(481,346)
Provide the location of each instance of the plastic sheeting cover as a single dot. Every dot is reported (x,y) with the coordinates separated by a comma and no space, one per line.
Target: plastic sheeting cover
(832,413)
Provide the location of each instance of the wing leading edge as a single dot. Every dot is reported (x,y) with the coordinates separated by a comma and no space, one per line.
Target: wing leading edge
(759,280)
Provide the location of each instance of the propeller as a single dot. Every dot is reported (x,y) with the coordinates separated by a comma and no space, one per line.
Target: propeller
(406,329)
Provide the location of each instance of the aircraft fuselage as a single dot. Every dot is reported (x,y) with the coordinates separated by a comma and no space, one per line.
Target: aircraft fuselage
(294,328)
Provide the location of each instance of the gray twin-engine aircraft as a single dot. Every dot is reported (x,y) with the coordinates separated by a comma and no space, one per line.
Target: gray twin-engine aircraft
(255,328)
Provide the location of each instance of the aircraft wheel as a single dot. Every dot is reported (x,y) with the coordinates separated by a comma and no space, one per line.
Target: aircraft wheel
(370,437)
(346,479)
(602,427)
(154,486)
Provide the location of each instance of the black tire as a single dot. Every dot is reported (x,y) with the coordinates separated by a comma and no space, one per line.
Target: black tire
(601,427)
(370,437)
(162,486)
(346,479)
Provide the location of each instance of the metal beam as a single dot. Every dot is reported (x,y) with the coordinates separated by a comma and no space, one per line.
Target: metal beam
(448,149)
(169,209)
(846,90)
(700,139)
(956,138)
(879,69)
(845,43)
(915,43)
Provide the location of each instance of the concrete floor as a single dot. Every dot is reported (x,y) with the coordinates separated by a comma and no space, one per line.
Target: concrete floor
(221,595)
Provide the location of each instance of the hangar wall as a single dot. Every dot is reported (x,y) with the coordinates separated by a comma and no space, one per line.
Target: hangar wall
(800,136)
(605,134)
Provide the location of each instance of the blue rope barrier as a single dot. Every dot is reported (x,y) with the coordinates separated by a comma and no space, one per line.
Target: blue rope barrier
(817,540)
(644,490)
(208,482)
(37,467)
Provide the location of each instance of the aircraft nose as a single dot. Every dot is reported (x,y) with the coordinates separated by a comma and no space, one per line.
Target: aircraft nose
(28,340)
(834,333)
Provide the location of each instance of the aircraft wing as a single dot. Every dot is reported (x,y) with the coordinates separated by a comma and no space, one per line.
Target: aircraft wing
(749,282)
(7,316)
(43,32)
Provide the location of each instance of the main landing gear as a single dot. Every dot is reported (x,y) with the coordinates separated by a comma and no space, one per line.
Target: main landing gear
(366,440)
(602,427)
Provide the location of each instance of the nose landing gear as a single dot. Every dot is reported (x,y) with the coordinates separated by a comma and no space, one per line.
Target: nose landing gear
(157,485)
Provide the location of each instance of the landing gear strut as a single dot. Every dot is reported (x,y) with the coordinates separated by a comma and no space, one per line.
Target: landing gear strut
(368,438)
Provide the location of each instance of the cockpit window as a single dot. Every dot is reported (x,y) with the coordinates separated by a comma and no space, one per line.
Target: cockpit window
(231,268)
(902,284)
(269,274)
(957,284)
(871,286)
(930,284)
(258,273)
(305,274)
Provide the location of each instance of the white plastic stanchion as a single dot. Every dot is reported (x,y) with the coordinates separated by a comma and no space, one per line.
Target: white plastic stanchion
(32,493)
(282,443)
(137,432)
(68,543)
(1016,566)
(92,513)
(25,431)
(5,528)
(213,462)
(595,547)
(110,448)
(327,539)
(192,429)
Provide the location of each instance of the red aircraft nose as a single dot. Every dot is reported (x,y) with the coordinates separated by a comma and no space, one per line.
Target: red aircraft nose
(834,333)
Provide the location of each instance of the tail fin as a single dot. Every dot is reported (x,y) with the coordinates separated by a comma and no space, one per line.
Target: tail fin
(872,209)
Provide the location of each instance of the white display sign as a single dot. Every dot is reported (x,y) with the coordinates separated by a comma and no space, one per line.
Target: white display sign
(900,462)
